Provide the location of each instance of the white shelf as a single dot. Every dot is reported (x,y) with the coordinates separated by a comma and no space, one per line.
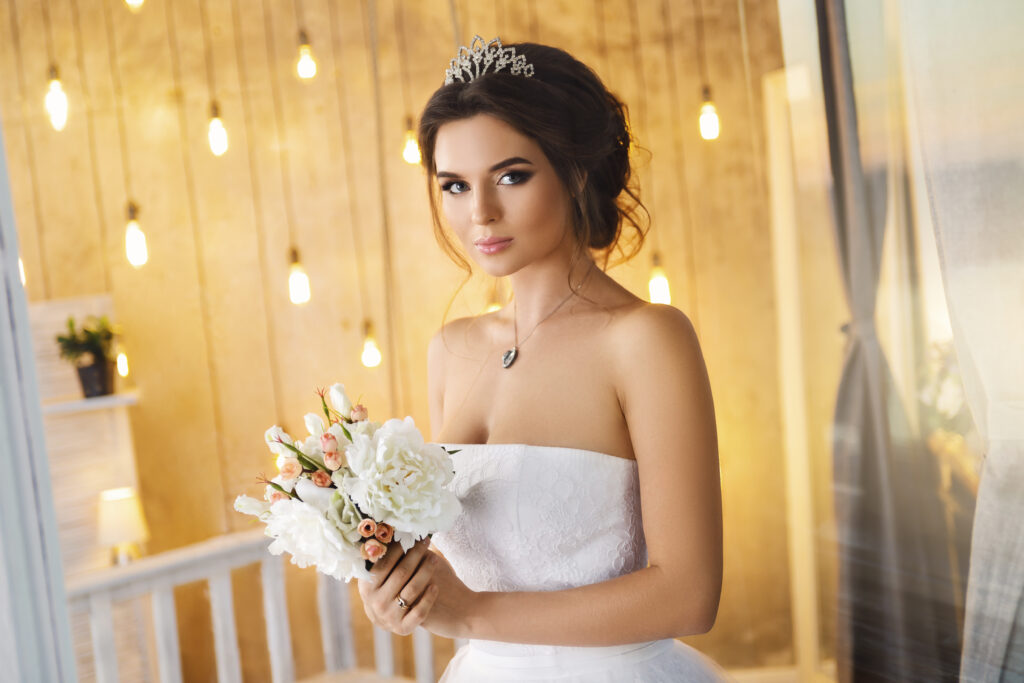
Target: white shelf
(82,405)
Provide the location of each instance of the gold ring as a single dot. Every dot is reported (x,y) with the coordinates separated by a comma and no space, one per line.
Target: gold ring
(402,603)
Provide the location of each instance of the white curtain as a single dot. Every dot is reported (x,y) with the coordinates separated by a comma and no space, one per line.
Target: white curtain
(965,95)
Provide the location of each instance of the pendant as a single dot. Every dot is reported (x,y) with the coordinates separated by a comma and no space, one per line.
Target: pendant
(509,357)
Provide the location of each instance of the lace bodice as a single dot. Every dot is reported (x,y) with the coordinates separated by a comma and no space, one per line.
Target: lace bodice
(543,517)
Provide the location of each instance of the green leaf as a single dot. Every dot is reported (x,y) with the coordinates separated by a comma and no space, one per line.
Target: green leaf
(287,493)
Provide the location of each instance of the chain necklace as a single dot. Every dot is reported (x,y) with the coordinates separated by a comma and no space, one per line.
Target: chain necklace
(509,357)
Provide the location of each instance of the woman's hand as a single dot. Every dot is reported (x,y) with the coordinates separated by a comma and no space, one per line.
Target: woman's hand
(449,616)
(408,575)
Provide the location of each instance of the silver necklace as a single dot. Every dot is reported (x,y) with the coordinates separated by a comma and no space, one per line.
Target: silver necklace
(509,357)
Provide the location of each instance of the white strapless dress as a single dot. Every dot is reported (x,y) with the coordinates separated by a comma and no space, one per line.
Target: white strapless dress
(544,518)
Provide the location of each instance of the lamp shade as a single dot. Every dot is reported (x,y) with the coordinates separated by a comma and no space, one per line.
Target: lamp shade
(121,519)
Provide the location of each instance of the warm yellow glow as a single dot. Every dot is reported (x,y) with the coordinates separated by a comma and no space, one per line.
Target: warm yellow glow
(123,493)
(306,66)
(120,517)
(298,284)
(492,307)
(134,5)
(218,136)
(135,244)
(411,151)
(371,353)
(122,364)
(709,125)
(658,287)
(57,104)
(21,270)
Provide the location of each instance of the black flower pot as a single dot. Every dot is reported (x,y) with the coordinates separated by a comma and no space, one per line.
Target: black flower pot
(97,379)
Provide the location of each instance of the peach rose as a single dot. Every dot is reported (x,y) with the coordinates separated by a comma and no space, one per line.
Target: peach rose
(321,479)
(359,413)
(373,550)
(277,495)
(291,469)
(329,443)
(384,533)
(367,528)
(332,460)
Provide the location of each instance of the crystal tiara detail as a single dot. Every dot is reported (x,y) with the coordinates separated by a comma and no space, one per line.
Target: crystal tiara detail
(474,61)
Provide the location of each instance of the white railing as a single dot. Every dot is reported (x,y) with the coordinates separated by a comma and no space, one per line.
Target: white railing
(212,561)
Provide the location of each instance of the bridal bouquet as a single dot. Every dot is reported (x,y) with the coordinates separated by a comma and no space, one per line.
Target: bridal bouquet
(351,487)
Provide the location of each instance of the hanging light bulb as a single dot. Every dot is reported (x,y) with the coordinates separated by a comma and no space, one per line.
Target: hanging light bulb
(709,125)
(21,270)
(56,101)
(217,135)
(411,150)
(371,352)
(298,281)
(122,362)
(134,5)
(134,239)
(306,66)
(493,304)
(657,286)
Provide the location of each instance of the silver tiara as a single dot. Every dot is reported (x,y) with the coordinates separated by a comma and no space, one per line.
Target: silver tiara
(474,61)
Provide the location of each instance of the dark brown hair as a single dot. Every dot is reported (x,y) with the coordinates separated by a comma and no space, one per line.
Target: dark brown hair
(579,125)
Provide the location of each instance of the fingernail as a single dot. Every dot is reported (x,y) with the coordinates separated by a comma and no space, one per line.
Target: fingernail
(428,540)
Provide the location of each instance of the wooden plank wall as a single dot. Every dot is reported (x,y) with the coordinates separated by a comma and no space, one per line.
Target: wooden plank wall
(218,353)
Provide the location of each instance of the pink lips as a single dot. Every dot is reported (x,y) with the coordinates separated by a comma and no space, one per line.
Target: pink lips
(492,245)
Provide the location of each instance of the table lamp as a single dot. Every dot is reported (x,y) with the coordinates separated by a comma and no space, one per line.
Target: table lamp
(122,526)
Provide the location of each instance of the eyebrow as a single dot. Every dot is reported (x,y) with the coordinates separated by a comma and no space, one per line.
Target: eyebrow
(501,164)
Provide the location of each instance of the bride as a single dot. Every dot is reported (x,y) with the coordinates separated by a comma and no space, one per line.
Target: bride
(591,531)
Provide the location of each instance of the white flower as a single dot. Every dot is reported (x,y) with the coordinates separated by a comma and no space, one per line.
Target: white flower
(248,505)
(312,539)
(272,436)
(315,424)
(314,495)
(339,399)
(400,480)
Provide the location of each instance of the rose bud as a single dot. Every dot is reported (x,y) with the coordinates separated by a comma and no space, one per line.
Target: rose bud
(359,413)
(291,469)
(384,533)
(332,460)
(328,443)
(367,528)
(321,479)
(277,495)
(373,550)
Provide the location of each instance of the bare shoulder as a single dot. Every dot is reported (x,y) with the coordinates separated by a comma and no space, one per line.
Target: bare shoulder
(458,337)
(646,326)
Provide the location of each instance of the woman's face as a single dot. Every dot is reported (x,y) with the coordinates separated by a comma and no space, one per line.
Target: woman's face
(501,196)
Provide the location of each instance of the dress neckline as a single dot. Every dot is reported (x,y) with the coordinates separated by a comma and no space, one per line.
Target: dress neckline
(526,447)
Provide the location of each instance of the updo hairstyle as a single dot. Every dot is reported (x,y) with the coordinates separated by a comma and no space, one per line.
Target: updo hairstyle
(578,124)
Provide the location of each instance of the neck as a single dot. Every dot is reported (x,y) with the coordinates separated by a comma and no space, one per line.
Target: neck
(542,286)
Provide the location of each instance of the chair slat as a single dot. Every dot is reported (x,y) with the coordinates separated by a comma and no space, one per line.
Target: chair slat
(101,622)
(335,624)
(383,651)
(165,624)
(225,637)
(275,613)
(423,654)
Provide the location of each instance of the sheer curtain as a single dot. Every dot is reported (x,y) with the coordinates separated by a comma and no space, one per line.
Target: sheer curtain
(965,92)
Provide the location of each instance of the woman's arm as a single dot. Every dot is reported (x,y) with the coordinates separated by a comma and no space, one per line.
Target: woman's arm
(666,400)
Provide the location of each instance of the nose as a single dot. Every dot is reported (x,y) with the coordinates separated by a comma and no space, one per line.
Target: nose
(486,208)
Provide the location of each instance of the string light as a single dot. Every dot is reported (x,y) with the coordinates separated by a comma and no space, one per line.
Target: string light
(134,239)
(218,135)
(411,150)
(657,286)
(709,124)
(371,356)
(306,66)
(122,362)
(134,5)
(298,281)
(56,101)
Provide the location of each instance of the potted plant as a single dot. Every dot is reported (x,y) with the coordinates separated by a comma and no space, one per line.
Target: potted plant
(91,351)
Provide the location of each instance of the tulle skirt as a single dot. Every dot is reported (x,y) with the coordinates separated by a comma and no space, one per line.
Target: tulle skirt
(658,661)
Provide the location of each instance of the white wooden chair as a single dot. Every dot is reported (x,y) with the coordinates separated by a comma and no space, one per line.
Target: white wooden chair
(212,561)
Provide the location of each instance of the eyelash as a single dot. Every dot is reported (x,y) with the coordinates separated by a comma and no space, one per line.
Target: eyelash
(524,176)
